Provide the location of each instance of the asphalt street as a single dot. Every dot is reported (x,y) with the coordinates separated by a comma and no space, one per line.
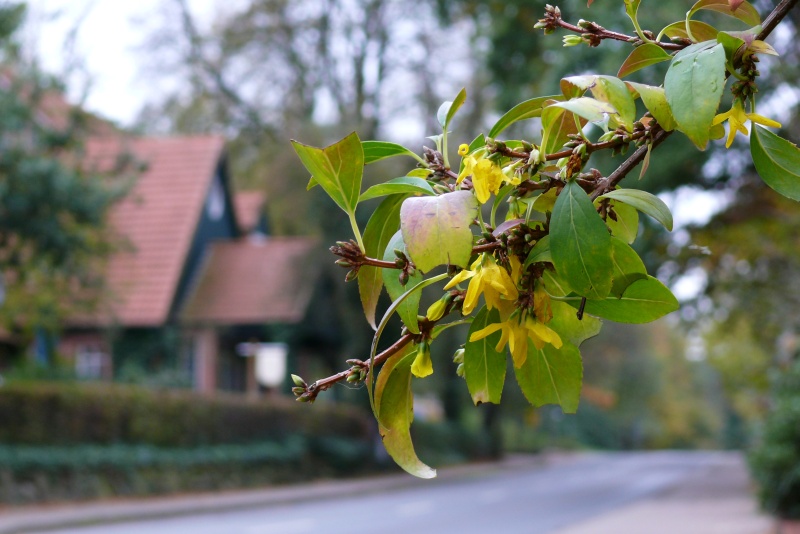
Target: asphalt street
(527,499)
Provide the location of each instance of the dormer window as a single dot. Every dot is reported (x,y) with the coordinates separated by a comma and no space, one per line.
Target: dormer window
(215,204)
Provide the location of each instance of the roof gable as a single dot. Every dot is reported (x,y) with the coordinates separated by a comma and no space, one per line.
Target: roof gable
(253,282)
(158,218)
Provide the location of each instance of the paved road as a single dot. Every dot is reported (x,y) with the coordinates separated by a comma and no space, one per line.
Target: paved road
(566,495)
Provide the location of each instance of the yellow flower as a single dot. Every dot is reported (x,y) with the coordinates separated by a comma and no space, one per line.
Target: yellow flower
(463,150)
(516,333)
(737,118)
(487,177)
(486,277)
(423,365)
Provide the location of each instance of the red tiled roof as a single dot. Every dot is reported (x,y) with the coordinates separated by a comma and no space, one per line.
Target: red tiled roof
(248,205)
(158,218)
(277,275)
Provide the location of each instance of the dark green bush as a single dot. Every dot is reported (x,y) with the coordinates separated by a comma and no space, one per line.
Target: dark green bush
(78,441)
(69,414)
(775,463)
(30,474)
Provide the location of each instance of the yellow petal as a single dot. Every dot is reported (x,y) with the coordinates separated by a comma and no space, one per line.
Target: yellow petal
(423,365)
(503,338)
(481,189)
(472,296)
(722,117)
(731,135)
(760,119)
(469,165)
(460,277)
(518,345)
(486,331)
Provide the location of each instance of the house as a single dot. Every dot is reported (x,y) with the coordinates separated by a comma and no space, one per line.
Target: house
(197,275)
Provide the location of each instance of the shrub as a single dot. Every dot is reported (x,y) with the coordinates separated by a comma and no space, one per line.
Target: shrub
(72,441)
(69,414)
(776,462)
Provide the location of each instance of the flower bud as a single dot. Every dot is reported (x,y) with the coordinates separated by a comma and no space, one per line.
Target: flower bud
(572,40)
(437,309)
(299,381)
(460,370)
(458,356)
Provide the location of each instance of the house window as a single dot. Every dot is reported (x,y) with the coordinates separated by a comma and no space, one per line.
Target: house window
(215,204)
(91,362)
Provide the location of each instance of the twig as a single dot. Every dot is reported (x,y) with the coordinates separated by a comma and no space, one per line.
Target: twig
(324,384)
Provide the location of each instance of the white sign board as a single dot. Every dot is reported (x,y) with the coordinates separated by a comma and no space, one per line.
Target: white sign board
(271,364)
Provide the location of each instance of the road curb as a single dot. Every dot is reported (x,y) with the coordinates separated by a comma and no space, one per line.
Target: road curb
(65,515)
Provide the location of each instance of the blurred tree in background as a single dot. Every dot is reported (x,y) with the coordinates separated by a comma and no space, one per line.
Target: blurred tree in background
(52,212)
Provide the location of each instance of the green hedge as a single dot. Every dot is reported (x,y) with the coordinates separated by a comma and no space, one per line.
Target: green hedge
(78,441)
(775,463)
(69,414)
(31,474)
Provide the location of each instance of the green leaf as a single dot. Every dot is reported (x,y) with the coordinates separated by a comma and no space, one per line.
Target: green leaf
(580,244)
(589,108)
(381,227)
(614,91)
(337,168)
(439,328)
(546,201)
(419,173)
(694,84)
(378,150)
(394,403)
(655,100)
(409,308)
(643,301)
(571,329)
(436,229)
(552,376)
(557,126)
(449,109)
(645,202)
(525,110)
(539,252)
(641,57)
(626,227)
(628,267)
(555,284)
(484,367)
(576,86)
(744,11)
(700,31)
(404,184)
(312,183)
(730,43)
(607,89)
(777,161)
(632,8)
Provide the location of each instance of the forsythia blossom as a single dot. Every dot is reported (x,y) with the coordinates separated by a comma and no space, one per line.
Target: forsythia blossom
(487,177)
(423,365)
(737,118)
(516,331)
(486,277)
